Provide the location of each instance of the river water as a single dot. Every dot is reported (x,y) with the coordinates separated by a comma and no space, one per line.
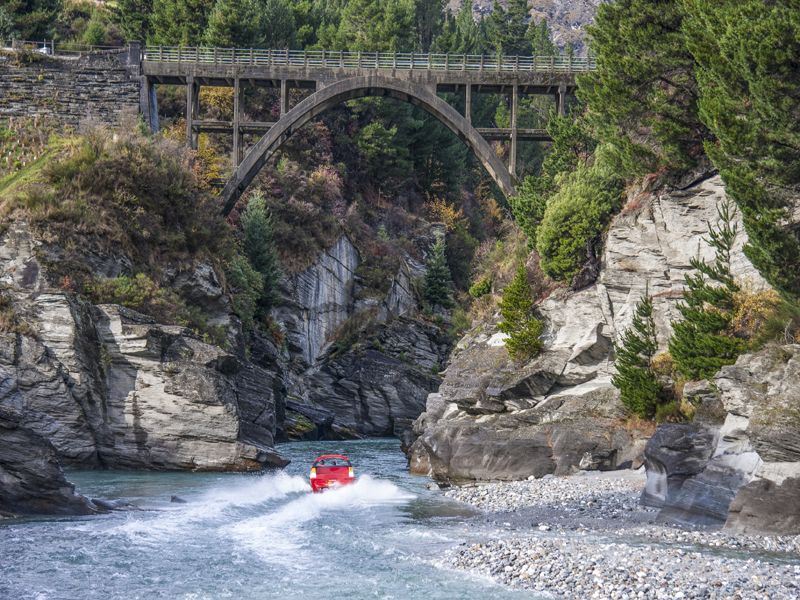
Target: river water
(250,536)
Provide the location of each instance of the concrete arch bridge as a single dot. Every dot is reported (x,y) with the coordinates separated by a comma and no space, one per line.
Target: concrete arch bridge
(335,77)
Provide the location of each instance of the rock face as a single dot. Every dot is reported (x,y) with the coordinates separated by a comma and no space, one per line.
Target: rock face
(358,366)
(378,388)
(109,387)
(175,402)
(31,479)
(744,471)
(493,419)
(318,300)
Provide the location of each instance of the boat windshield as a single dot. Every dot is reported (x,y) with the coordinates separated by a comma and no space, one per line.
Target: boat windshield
(332,462)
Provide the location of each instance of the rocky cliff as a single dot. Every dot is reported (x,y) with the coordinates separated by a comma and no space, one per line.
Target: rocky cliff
(109,387)
(738,463)
(493,419)
(357,365)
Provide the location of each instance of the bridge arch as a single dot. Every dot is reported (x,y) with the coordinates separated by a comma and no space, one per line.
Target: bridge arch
(349,89)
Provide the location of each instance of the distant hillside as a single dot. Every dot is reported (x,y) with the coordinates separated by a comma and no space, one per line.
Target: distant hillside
(567,18)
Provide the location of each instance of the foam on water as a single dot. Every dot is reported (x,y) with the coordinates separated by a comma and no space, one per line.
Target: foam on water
(280,536)
(211,505)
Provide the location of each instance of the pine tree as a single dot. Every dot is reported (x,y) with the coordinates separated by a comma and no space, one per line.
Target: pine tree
(179,22)
(438,283)
(748,68)
(29,19)
(643,95)
(507,29)
(637,383)
(133,18)
(259,247)
(519,319)
(540,38)
(701,342)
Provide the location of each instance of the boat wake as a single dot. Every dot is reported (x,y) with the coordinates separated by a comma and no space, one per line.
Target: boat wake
(281,537)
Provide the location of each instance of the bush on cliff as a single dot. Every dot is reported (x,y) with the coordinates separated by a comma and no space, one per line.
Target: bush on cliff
(519,318)
(636,379)
(125,192)
(575,217)
(702,341)
(572,146)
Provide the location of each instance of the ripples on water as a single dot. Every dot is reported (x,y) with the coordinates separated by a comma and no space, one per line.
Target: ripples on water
(249,536)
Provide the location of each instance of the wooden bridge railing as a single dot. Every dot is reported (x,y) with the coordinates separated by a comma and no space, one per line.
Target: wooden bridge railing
(368,60)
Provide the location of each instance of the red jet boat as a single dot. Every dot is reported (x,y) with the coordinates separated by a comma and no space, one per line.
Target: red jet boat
(331,470)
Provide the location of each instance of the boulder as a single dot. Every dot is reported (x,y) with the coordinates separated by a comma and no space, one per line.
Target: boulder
(31,479)
(378,386)
(742,473)
(675,452)
(174,402)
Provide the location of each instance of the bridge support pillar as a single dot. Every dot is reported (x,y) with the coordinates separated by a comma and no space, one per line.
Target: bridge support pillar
(284,97)
(561,100)
(468,103)
(237,134)
(192,110)
(512,158)
(148,104)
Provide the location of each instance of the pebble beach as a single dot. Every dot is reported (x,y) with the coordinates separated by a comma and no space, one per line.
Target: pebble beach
(587,536)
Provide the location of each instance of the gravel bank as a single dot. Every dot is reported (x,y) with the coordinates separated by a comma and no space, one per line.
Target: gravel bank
(586,536)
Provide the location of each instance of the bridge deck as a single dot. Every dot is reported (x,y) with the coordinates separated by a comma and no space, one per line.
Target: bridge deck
(448,72)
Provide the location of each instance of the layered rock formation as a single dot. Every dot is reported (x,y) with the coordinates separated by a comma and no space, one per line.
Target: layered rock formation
(109,387)
(493,419)
(357,365)
(739,463)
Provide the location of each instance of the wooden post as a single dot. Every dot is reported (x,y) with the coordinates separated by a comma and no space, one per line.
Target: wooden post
(236,115)
(562,100)
(468,103)
(512,159)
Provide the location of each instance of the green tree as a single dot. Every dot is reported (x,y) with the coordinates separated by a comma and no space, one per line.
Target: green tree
(748,56)
(381,155)
(133,18)
(29,19)
(701,342)
(250,23)
(259,246)
(572,146)
(247,286)
(541,39)
(576,215)
(461,34)
(438,286)
(643,95)
(374,25)
(635,379)
(519,318)
(428,22)
(179,22)
(507,29)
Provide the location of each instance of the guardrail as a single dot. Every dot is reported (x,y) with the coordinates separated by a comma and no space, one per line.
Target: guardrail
(53,48)
(334,59)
